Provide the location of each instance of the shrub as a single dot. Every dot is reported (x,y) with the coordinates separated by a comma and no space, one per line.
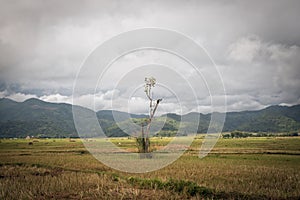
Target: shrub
(180,186)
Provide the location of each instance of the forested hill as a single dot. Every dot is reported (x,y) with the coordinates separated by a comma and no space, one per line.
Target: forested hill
(43,119)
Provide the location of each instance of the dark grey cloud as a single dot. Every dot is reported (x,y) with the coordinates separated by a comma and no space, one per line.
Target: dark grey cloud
(255,43)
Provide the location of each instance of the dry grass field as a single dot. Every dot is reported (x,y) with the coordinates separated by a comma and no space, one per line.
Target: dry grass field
(249,168)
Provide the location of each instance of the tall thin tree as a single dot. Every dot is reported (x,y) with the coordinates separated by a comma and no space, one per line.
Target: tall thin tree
(153,104)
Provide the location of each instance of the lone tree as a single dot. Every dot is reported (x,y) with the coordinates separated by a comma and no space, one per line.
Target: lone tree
(143,141)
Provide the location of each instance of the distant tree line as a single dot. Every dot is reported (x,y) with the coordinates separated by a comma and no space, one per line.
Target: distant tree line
(240,134)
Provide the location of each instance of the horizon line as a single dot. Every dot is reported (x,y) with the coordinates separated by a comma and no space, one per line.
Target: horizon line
(265,107)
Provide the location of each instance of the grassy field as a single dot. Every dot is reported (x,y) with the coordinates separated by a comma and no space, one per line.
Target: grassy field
(250,168)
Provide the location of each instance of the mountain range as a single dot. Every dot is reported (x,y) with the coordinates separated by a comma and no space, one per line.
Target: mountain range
(43,119)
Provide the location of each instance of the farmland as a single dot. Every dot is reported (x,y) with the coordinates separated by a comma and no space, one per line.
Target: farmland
(237,168)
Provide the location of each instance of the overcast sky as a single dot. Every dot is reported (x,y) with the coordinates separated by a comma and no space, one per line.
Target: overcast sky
(255,44)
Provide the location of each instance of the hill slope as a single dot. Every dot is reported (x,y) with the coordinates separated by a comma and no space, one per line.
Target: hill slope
(35,117)
(43,119)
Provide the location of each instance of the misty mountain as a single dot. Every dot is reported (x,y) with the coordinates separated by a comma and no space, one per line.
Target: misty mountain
(35,117)
(44,119)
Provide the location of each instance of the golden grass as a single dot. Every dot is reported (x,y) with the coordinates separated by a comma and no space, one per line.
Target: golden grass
(252,168)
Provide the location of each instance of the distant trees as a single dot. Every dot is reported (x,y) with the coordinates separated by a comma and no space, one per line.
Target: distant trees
(237,134)
(241,134)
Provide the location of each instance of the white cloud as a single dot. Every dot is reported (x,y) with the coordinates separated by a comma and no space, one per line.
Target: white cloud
(267,72)
(56,98)
(20,97)
(136,105)
(245,49)
(3,94)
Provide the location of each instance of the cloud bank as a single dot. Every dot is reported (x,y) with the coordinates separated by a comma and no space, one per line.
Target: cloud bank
(255,44)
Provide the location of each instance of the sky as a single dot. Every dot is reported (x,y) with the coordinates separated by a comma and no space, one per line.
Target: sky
(255,46)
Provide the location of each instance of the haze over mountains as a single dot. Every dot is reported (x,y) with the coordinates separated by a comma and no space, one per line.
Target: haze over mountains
(42,119)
